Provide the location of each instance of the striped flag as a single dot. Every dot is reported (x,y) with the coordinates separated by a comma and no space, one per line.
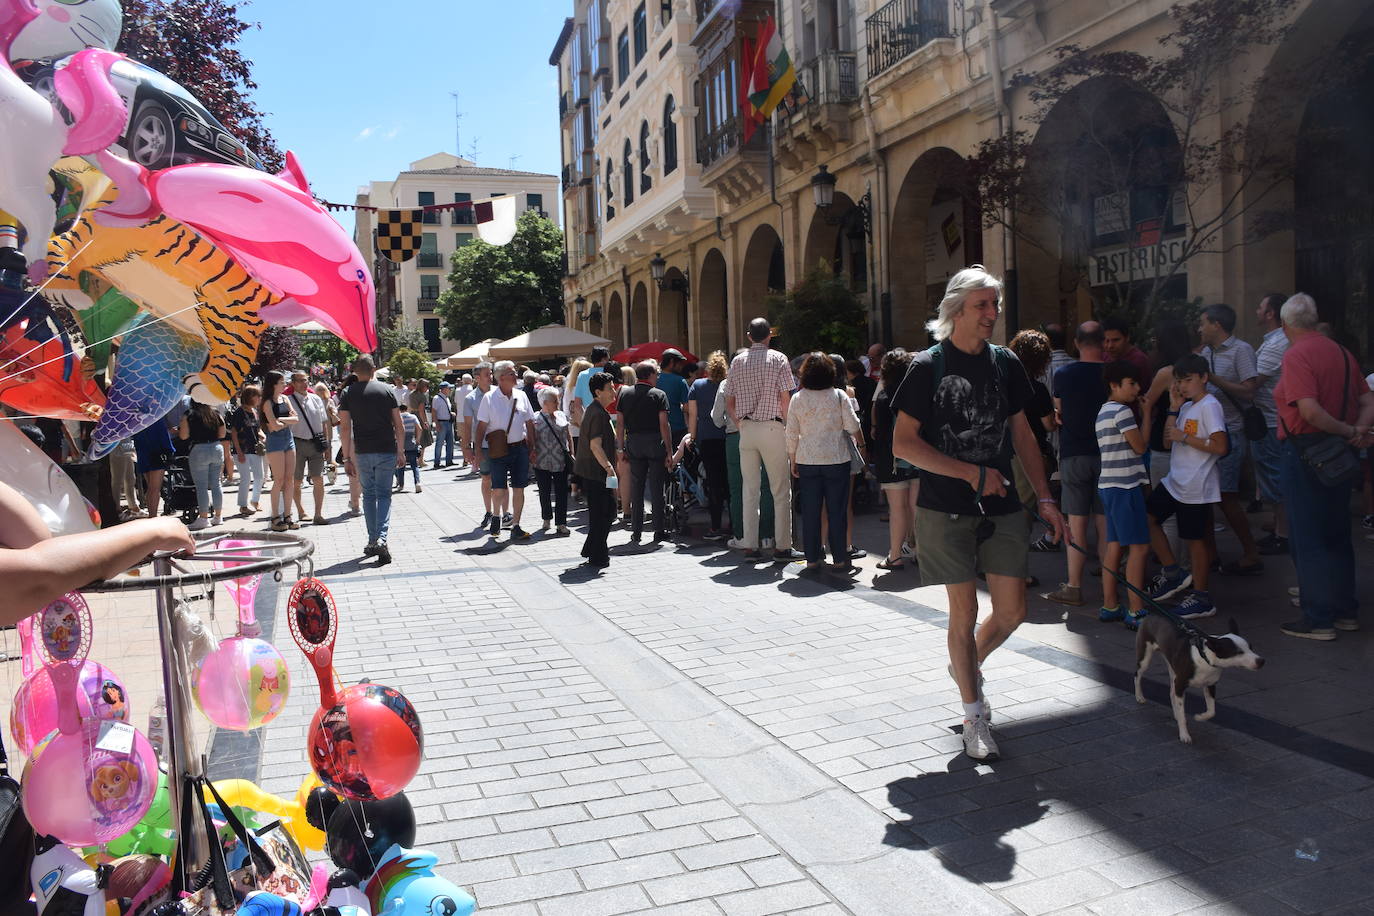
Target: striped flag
(772,76)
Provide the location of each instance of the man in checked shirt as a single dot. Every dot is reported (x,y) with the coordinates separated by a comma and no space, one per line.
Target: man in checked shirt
(760,387)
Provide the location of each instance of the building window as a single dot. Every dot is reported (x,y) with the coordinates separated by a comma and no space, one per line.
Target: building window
(462,238)
(429,242)
(641,26)
(610,191)
(665,11)
(429,287)
(645,181)
(426,199)
(622,56)
(628,165)
(534,201)
(498,193)
(462,217)
(669,137)
(432,339)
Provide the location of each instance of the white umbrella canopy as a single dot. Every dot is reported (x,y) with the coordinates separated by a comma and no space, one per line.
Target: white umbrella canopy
(550,340)
(469,356)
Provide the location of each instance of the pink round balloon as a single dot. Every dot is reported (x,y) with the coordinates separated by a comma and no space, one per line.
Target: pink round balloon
(85,788)
(100,695)
(242,684)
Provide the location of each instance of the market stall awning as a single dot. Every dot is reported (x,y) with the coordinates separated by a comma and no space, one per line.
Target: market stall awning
(469,356)
(550,340)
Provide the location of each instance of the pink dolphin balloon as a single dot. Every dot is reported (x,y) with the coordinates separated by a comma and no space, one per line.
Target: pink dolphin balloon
(271,226)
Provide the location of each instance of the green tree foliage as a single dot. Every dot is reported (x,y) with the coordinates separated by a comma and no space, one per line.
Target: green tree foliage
(501,291)
(407,364)
(329,351)
(195,42)
(401,337)
(820,313)
(279,349)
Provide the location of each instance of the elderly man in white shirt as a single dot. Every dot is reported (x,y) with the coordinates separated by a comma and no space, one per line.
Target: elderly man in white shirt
(310,444)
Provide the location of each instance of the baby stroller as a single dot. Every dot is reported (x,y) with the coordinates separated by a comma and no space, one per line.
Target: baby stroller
(686,489)
(179,490)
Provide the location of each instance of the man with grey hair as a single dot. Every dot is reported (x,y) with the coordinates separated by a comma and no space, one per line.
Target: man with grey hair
(1320,397)
(1233,381)
(760,389)
(506,409)
(310,444)
(373,441)
(960,417)
(474,452)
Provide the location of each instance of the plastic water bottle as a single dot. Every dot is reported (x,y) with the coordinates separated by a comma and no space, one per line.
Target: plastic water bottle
(157,726)
(1308,850)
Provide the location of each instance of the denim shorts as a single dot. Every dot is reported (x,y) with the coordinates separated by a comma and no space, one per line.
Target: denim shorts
(1267,455)
(281,440)
(1127,523)
(1228,468)
(515,465)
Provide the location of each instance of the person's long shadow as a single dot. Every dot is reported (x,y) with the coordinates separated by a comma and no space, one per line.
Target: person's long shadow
(980,857)
(485,550)
(341,568)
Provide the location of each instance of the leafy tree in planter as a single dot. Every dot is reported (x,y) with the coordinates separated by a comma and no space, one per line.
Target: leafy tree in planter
(820,313)
(1148,121)
(279,350)
(408,364)
(503,290)
(195,42)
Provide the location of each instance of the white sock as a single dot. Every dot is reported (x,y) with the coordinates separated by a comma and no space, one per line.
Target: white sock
(973,710)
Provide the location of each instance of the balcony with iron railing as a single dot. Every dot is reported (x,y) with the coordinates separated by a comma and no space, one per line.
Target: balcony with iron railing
(427,303)
(902,27)
(430,217)
(430,259)
(462,217)
(815,116)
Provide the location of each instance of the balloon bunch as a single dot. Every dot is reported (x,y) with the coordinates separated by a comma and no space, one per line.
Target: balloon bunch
(184,267)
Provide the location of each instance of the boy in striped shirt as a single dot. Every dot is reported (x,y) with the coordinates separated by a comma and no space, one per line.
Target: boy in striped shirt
(1121,486)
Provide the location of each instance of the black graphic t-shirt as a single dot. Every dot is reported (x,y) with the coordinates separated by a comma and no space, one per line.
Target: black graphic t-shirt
(966,417)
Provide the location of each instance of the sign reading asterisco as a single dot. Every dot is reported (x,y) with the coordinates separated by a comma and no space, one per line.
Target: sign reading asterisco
(1116,265)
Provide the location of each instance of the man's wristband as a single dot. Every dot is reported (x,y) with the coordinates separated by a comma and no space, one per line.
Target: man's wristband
(1172,413)
(1047,499)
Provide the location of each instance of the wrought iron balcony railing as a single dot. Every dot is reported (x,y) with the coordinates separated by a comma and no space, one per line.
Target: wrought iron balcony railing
(902,27)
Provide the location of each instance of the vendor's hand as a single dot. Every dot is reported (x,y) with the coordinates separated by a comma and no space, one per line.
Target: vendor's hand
(1174,434)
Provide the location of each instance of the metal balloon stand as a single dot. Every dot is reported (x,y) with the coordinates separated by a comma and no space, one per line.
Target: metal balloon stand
(269,553)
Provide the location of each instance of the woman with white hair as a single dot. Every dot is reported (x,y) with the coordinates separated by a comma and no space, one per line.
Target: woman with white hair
(553,461)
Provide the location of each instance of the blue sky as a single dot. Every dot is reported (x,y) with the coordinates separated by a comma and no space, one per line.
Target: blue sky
(361,89)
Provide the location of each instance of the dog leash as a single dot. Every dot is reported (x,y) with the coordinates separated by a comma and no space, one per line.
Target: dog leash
(1184,627)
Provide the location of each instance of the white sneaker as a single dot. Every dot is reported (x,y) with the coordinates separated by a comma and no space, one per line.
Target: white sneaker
(1293,591)
(200,523)
(987,707)
(216,520)
(735,543)
(978,742)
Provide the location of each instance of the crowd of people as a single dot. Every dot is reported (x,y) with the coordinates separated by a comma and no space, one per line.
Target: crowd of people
(973,447)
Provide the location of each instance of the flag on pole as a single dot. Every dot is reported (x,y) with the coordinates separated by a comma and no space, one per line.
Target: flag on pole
(748,59)
(773,75)
(496,220)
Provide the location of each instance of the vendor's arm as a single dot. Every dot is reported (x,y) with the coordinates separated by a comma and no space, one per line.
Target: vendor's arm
(38,568)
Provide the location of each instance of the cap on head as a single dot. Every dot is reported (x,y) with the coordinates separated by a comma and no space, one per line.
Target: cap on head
(445,385)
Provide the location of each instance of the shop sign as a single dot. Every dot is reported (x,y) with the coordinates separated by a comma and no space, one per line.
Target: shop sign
(1115,265)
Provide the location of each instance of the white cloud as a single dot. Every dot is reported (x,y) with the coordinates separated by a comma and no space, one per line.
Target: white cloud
(391,134)
(365,133)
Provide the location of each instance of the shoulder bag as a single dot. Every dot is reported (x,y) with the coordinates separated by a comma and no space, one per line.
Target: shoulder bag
(16,842)
(498,443)
(1252,418)
(1332,461)
(567,458)
(316,438)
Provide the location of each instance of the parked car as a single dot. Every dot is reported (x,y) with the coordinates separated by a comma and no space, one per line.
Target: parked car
(167,124)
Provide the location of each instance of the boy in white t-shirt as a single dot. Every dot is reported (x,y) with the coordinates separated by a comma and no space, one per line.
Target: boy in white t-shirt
(1196,428)
(1121,486)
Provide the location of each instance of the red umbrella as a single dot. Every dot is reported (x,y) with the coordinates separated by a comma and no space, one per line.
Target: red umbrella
(651,350)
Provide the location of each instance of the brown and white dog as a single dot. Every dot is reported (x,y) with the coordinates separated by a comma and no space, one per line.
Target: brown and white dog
(1193,662)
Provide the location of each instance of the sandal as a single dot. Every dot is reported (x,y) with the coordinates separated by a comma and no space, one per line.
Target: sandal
(891,564)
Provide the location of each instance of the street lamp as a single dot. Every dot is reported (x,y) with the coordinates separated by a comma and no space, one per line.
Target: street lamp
(823,187)
(579,304)
(658,268)
(858,218)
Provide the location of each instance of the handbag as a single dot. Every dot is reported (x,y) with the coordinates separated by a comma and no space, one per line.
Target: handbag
(16,842)
(1252,421)
(567,458)
(1332,461)
(498,444)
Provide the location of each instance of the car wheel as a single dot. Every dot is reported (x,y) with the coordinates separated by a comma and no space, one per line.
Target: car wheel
(151,141)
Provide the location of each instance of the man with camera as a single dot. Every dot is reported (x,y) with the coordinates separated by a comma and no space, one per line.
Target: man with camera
(310,447)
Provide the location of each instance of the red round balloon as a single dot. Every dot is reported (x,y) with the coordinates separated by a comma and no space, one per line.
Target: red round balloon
(368,745)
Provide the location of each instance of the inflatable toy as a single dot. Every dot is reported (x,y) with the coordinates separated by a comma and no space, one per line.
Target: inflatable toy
(154,358)
(41,370)
(405,885)
(172,271)
(365,741)
(358,834)
(100,694)
(66,26)
(240,793)
(90,781)
(153,834)
(270,225)
(34,135)
(43,484)
(63,883)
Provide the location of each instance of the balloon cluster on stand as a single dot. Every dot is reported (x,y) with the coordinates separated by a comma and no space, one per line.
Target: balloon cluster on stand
(183,268)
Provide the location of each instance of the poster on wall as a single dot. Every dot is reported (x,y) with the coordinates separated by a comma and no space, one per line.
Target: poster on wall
(944,244)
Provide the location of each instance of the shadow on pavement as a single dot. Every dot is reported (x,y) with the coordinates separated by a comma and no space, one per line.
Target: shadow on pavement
(491,547)
(343,567)
(580,573)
